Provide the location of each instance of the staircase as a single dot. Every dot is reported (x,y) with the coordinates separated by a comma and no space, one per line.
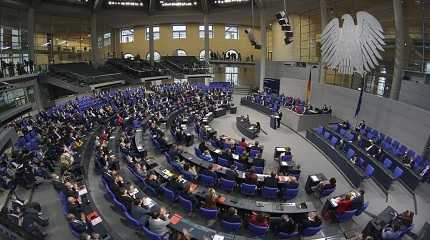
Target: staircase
(242,90)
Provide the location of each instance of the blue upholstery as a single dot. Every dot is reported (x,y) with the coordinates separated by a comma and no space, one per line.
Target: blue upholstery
(310,231)
(360,211)
(239,150)
(333,141)
(287,158)
(398,172)
(168,194)
(388,163)
(259,170)
(230,227)
(350,153)
(119,205)
(248,189)
(326,192)
(240,166)
(327,135)
(132,219)
(257,230)
(151,235)
(209,213)
(290,193)
(270,193)
(254,153)
(369,171)
(346,216)
(186,204)
(227,185)
(223,162)
(319,130)
(286,236)
(207,181)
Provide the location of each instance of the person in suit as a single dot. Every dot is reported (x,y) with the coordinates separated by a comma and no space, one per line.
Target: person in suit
(75,208)
(279,118)
(323,185)
(258,161)
(271,181)
(158,222)
(209,172)
(152,181)
(291,183)
(258,219)
(139,210)
(344,204)
(358,201)
(231,216)
(188,194)
(286,225)
(251,177)
(211,199)
(77,225)
(203,147)
(312,220)
(228,155)
(126,199)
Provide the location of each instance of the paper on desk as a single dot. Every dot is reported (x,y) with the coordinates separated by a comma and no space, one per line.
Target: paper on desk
(83,191)
(96,221)
(218,237)
(314,178)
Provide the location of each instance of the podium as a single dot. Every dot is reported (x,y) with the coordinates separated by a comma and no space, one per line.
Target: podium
(274,121)
(233,110)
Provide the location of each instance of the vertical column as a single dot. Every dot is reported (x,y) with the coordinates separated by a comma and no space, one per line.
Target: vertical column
(151,44)
(206,23)
(324,21)
(94,42)
(30,33)
(113,42)
(400,55)
(263,55)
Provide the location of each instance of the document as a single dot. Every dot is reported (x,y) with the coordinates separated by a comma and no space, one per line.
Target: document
(218,237)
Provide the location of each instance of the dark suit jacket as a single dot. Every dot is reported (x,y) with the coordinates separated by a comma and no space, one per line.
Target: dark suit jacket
(271,182)
(231,218)
(358,202)
(231,175)
(78,226)
(209,173)
(287,227)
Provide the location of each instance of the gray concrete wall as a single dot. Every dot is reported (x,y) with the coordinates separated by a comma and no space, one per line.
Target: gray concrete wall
(407,123)
(415,93)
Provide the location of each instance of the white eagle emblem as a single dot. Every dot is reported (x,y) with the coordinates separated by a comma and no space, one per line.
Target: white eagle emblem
(352,47)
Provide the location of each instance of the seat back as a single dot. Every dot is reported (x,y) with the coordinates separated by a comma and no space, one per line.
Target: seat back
(362,209)
(240,166)
(346,216)
(198,152)
(398,172)
(290,193)
(227,185)
(209,213)
(319,130)
(230,227)
(333,141)
(310,231)
(254,153)
(186,204)
(130,218)
(257,230)
(326,192)
(388,163)
(239,150)
(287,158)
(151,235)
(327,135)
(168,194)
(223,162)
(350,153)
(369,171)
(207,181)
(259,170)
(286,236)
(270,193)
(119,205)
(248,189)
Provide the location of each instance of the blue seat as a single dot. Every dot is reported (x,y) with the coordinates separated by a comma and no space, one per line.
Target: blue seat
(369,171)
(198,152)
(223,162)
(168,194)
(359,162)
(239,150)
(269,193)
(119,205)
(248,189)
(346,216)
(257,230)
(326,192)
(130,218)
(259,170)
(290,193)
(388,163)
(186,204)
(188,176)
(151,235)
(230,227)
(342,132)
(227,185)
(207,181)
(350,153)
(405,231)
(333,141)
(287,158)
(398,172)
(209,214)
(286,236)
(319,130)
(240,166)
(310,231)
(362,209)
(254,153)
(327,135)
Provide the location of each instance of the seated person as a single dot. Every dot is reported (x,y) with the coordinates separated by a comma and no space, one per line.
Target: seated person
(312,220)
(271,181)
(231,216)
(75,208)
(244,157)
(243,143)
(70,190)
(358,200)
(203,147)
(174,184)
(286,225)
(344,204)
(126,199)
(391,231)
(258,219)
(291,182)
(77,225)
(152,180)
(139,209)
(406,218)
(323,185)
(212,199)
(206,155)
(209,172)
(227,154)
(251,177)
(158,222)
(295,170)
(258,161)
(231,174)
(188,194)
(190,169)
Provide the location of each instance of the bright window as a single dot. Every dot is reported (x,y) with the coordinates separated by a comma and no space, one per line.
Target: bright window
(232,75)
(129,56)
(127,35)
(16,42)
(107,39)
(157,56)
(380,89)
(202,31)
(180,52)
(179,31)
(156,31)
(231,32)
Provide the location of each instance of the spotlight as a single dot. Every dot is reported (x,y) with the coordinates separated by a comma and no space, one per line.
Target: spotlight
(286,27)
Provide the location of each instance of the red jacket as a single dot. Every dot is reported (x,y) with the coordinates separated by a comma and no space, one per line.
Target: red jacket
(343,205)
